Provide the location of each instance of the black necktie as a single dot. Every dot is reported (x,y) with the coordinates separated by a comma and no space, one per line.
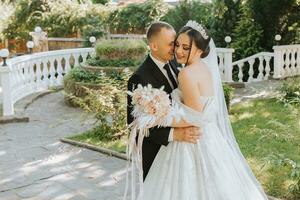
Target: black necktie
(171,77)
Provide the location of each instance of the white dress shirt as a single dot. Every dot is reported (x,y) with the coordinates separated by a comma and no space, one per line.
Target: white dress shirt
(161,65)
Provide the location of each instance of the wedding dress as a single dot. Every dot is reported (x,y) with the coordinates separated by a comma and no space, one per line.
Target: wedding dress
(208,170)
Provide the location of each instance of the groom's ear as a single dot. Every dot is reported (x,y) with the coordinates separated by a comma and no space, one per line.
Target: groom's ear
(153,46)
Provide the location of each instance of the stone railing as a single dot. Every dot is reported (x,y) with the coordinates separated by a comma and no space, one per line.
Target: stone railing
(286,61)
(261,61)
(33,73)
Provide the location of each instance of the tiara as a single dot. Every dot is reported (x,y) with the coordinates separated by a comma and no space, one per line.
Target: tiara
(198,27)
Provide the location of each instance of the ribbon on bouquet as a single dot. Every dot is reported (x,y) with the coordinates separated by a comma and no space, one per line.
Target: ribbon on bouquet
(135,160)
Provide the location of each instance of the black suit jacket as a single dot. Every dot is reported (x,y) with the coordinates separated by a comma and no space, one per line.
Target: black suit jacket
(149,73)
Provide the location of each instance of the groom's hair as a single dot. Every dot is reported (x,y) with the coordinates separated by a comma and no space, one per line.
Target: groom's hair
(155,28)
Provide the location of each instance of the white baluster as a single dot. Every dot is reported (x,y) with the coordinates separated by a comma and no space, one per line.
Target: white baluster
(76,59)
(287,63)
(21,73)
(260,68)
(52,80)
(268,69)
(26,73)
(14,79)
(221,65)
(251,71)
(45,72)
(67,65)
(16,74)
(38,75)
(84,56)
(31,76)
(298,61)
(293,62)
(59,71)
(241,72)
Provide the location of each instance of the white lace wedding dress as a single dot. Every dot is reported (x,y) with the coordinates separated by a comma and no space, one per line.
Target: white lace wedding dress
(208,170)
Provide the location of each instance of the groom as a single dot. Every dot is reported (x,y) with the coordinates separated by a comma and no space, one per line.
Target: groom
(159,69)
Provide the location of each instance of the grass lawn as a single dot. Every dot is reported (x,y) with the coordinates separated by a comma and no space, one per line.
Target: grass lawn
(267,129)
(264,129)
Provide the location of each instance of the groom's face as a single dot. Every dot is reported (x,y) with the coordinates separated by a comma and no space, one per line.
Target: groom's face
(163,45)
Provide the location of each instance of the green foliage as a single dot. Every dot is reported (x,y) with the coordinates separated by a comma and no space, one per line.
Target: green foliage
(6,9)
(108,105)
(113,63)
(276,17)
(100,1)
(228,92)
(28,11)
(188,10)
(121,49)
(266,127)
(247,35)
(224,17)
(78,74)
(93,26)
(290,91)
(58,18)
(135,18)
(281,160)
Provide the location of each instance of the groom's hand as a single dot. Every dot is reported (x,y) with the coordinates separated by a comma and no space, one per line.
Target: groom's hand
(187,134)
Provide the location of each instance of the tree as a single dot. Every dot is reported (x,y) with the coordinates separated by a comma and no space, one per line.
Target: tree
(189,10)
(59,18)
(247,35)
(27,15)
(135,18)
(225,16)
(276,17)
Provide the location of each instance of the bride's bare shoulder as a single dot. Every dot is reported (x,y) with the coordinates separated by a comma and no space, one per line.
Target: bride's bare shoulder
(195,72)
(185,75)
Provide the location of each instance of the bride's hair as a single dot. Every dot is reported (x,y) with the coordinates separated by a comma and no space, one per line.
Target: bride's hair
(196,36)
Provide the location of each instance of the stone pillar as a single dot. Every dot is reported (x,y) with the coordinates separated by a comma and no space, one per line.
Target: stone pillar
(40,40)
(7,103)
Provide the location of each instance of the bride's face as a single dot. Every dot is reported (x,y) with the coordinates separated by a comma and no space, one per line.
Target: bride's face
(183,47)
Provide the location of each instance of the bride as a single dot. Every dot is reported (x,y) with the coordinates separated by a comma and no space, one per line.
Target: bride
(213,168)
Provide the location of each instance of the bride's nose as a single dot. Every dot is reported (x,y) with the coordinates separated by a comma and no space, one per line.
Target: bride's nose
(178,50)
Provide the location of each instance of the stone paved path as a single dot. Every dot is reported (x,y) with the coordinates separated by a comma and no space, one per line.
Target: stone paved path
(34,165)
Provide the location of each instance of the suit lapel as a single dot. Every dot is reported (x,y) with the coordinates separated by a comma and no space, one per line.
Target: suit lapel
(157,74)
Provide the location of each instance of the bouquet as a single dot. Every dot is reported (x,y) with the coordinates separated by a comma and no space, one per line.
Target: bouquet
(153,107)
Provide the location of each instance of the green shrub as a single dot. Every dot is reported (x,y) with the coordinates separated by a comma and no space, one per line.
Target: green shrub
(290,91)
(121,49)
(107,104)
(228,92)
(78,74)
(113,63)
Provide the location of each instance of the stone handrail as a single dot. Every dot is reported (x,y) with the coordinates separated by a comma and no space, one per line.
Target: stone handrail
(33,73)
(263,65)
